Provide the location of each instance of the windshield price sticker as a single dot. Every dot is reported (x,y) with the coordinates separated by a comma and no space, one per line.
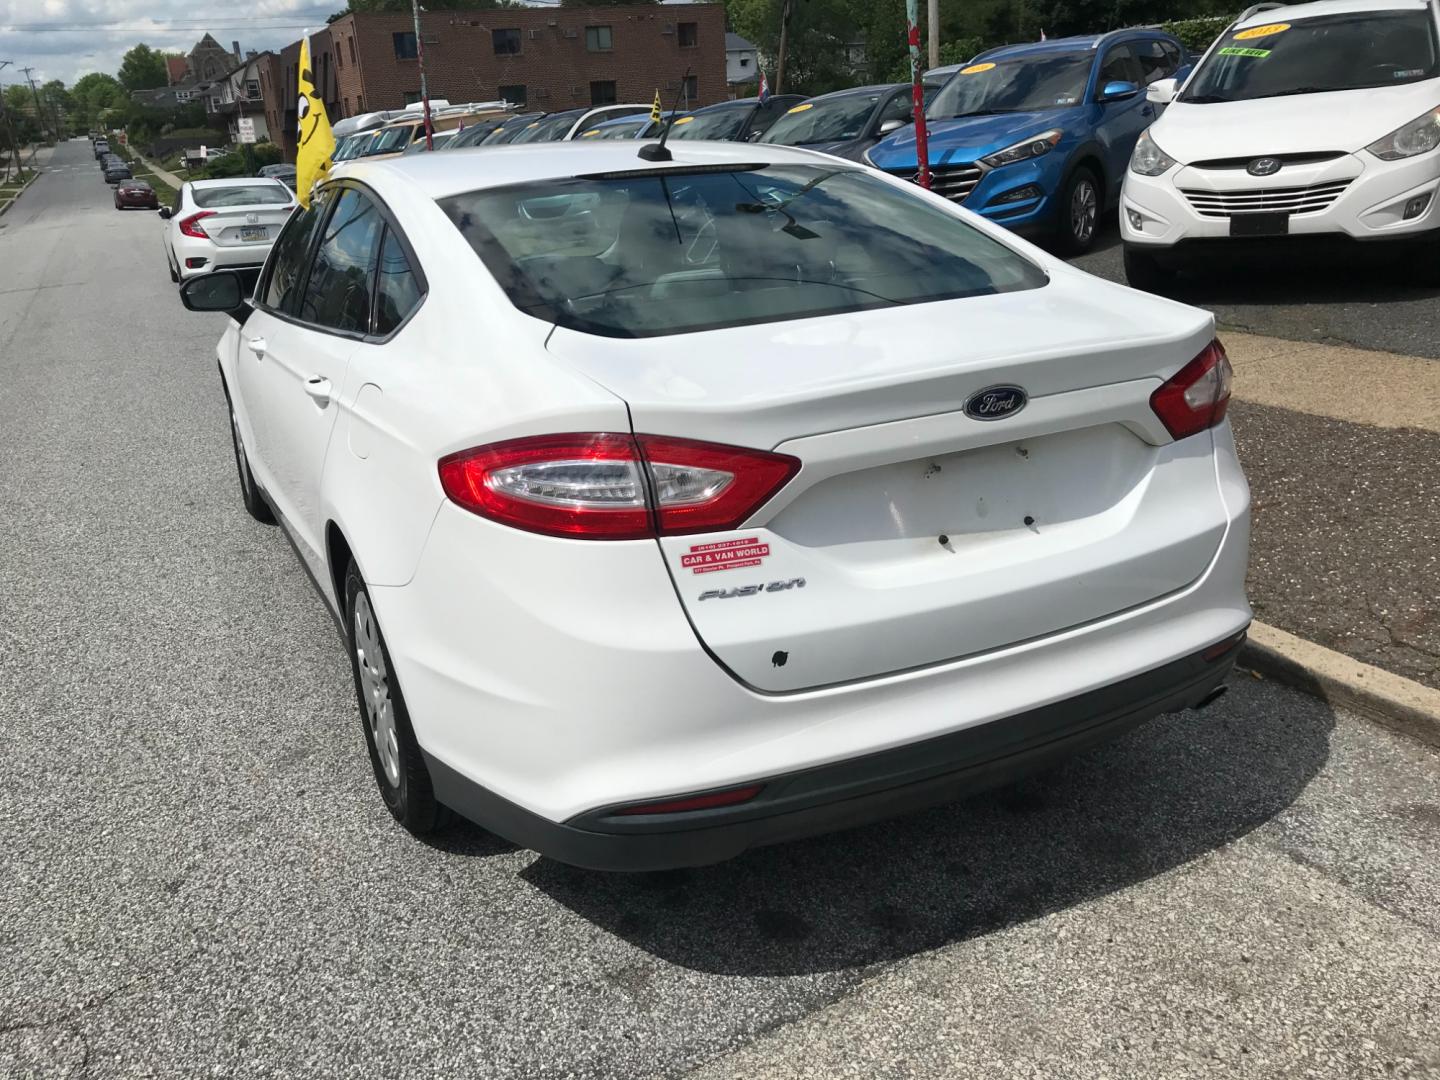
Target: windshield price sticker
(1261,31)
(1231,50)
(726,555)
(976,69)
(802,107)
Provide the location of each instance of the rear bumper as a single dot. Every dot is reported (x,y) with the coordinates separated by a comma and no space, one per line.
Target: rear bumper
(847,793)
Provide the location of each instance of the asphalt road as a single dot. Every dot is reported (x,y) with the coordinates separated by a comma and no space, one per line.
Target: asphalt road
(1370,305)
(197,877)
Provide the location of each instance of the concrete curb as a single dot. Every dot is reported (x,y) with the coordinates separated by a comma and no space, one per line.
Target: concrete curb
(1391,700)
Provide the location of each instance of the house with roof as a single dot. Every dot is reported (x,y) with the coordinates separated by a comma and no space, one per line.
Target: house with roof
(742,63)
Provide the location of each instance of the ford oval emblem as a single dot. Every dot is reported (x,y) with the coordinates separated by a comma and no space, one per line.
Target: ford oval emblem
(1263,166)
(995,403)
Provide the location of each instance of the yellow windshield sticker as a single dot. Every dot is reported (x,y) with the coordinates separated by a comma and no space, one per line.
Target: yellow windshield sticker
(683,120)
(590,134)
(535,124)
(1261,31)
(802,107)
(976,69)
(1231,50)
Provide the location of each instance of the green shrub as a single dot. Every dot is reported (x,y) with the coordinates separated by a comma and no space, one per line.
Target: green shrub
(1197,35)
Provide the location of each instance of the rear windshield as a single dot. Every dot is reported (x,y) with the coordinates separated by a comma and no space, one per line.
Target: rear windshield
(724,124)
(1356,51)
(645,254)
(272,194)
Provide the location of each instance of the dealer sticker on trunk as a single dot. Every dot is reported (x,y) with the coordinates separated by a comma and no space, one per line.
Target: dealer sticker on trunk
(725,555)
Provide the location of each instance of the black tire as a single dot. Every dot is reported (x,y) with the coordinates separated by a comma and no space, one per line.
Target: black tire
(401,775)
(250,493)
(1144,271)
(1076,230)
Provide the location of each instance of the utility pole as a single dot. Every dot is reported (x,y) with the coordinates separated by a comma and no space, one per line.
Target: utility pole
(9,128)
(934,33)
(420,59)
(39,111)
(784,36)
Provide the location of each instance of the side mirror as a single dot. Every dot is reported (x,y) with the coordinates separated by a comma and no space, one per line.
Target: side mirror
(1162,91)
(1119,90)
(890,125)
(220,290)
(166,213)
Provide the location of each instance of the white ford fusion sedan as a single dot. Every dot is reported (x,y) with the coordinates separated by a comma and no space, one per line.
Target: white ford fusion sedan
(670,508)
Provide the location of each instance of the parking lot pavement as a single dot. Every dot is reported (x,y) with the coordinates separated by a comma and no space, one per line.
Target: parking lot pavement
(199,879)
(1367,305)
(1342,449)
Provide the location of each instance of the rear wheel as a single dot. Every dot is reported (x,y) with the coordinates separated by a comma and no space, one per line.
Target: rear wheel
(1144,271)
(250,493)
(1079,212)
(395,756)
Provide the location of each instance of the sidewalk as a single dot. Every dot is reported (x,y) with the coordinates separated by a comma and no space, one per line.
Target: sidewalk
(1342,449)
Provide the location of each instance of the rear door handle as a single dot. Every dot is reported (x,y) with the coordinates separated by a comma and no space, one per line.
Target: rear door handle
(319,389)
(257,346)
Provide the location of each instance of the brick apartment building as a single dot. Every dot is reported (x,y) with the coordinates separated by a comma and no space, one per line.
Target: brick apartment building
(545,58)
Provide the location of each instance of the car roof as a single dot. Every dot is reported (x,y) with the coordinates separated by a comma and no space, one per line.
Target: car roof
(1329,7)
(439,176)
(873,88)
(1078,43)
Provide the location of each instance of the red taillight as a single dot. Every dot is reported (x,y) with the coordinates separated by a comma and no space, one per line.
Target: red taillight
(605,486)
(697,802)
(1196,397)
(190,227)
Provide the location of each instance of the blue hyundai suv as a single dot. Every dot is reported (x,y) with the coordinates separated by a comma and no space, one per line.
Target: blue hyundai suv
(1037,137)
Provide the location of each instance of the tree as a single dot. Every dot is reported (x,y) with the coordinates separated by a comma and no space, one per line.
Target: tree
(143,68)
(92,95)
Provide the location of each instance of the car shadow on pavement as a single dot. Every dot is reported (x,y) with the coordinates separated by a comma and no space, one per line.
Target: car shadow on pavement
(1154,800)
(1282,278)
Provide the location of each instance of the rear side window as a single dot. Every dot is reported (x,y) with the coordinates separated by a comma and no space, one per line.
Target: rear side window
(337,295)
(397,291)
(287,261)
(651,253)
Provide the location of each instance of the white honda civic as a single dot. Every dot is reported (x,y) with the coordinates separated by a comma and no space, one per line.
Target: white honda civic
(223,223)
(675,507)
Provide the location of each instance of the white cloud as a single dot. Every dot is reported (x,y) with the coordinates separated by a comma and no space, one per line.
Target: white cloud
(64,39)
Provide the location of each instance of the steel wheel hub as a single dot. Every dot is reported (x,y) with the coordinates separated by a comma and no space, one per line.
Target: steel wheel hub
(375,690)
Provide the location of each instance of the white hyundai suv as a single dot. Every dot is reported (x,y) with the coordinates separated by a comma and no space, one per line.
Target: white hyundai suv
(670,507)
(1311,125)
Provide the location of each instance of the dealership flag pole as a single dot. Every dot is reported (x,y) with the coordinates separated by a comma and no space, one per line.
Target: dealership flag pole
(922,144)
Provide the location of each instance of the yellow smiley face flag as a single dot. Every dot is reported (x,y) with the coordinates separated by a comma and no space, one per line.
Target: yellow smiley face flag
(317,144)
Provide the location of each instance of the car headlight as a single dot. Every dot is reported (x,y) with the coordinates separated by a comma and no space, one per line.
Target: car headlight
(1148,159)
(1033,147)
(1419,136)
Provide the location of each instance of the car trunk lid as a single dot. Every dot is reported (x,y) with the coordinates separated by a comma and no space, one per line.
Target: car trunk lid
(242,226)
(915,533)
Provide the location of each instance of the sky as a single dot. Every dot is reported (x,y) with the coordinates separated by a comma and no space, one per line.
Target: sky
(64,39)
